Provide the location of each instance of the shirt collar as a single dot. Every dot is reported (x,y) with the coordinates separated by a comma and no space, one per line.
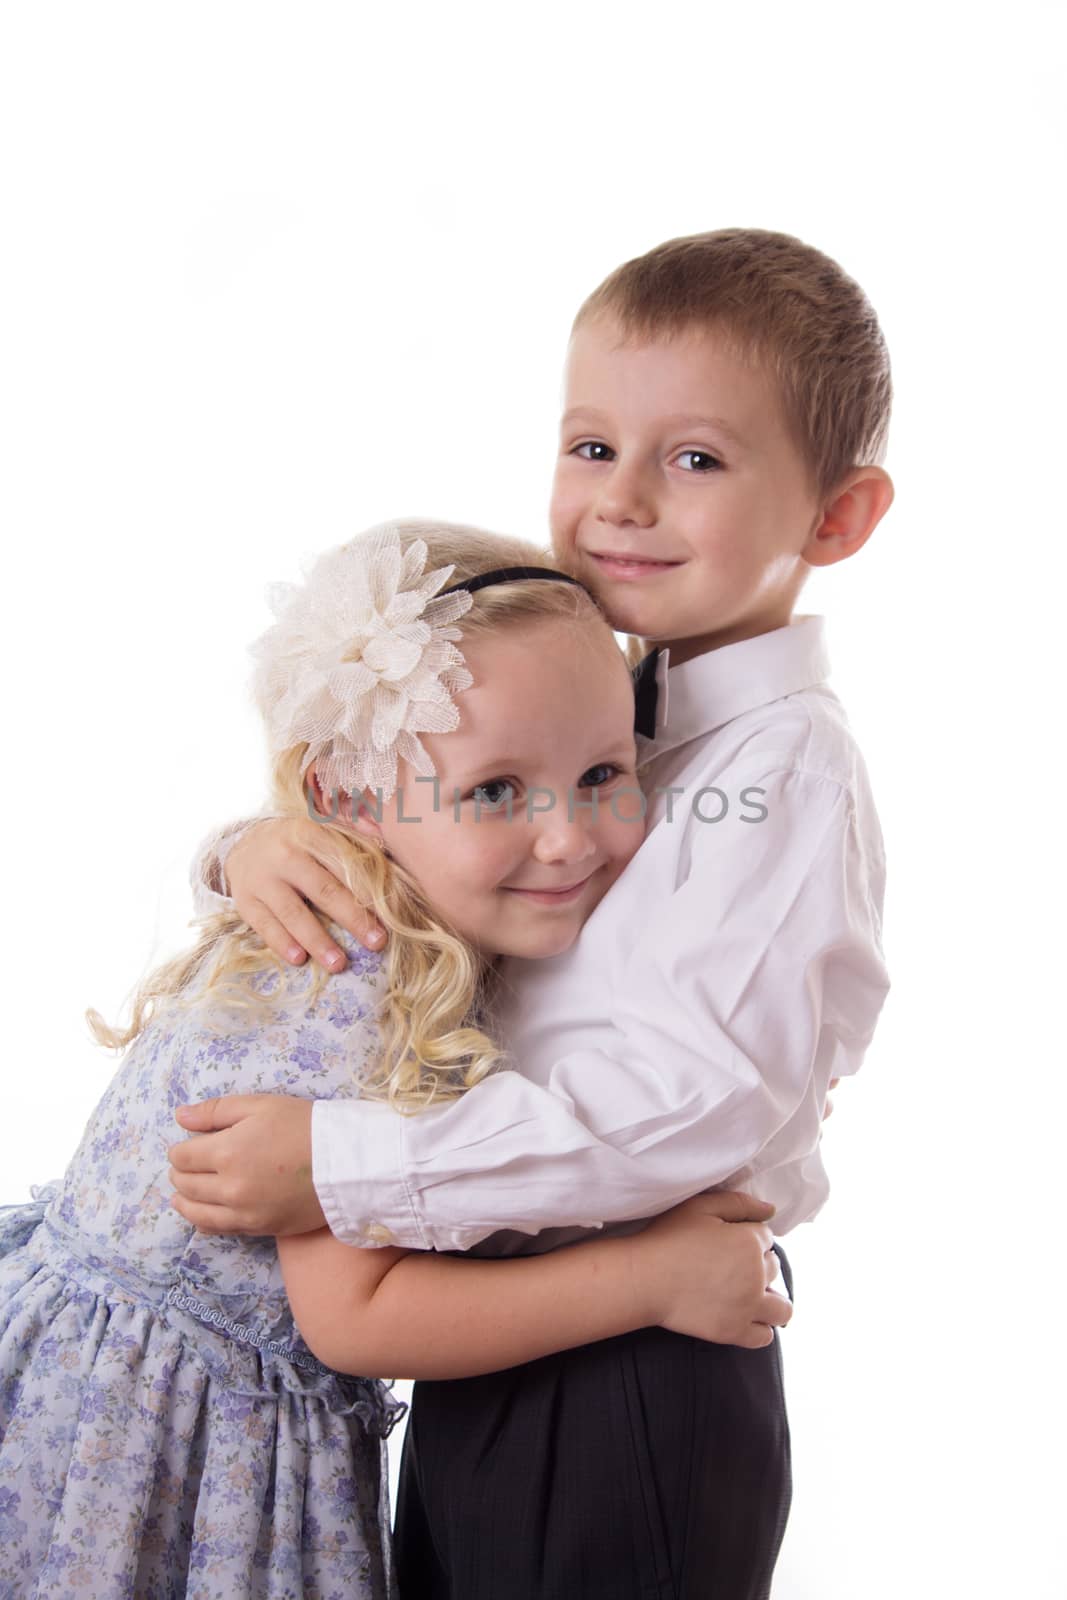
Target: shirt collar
(701,695)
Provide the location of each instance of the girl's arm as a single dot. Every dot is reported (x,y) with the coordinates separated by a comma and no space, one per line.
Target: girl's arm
(702,1268)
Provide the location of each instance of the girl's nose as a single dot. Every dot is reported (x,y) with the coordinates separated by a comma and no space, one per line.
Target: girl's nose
(561,838)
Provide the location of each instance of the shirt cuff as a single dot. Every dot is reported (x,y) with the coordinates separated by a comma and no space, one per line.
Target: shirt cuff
(211,891)
(205,872)
(357,1169)
(222,853)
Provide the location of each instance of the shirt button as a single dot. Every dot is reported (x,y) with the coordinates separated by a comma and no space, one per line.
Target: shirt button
(377,1233)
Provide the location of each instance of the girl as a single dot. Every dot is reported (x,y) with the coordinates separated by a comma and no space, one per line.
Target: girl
(165,1430)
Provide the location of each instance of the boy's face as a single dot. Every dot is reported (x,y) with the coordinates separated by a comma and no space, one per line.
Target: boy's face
(679,497)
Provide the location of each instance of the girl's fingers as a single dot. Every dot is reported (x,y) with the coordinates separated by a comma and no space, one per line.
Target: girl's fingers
(758,1337)
(776,1310)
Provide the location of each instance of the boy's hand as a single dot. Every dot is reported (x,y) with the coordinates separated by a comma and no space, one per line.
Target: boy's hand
(251,1170)
(273,873)
(828,1108)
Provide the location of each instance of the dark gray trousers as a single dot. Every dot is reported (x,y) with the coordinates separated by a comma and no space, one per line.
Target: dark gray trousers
(647,1467)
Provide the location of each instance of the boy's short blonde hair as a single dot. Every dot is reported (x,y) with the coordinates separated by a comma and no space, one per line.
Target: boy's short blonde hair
(783,304)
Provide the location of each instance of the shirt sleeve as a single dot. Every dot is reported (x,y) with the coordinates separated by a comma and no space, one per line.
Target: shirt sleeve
(207,874)
(757,980)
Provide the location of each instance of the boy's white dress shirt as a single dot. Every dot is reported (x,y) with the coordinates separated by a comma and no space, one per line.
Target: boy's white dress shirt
(688,1038)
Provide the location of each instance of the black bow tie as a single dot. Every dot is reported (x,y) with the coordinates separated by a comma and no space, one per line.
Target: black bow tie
(646,694)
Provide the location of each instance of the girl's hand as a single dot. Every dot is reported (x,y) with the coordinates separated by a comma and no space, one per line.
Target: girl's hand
(706,1266)
(273,872)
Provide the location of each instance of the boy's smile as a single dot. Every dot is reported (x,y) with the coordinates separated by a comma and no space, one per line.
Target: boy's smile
(624,566)
(680,496)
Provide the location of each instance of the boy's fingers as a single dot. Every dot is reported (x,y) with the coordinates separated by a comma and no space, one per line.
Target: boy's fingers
(202,1116)
(209,1219)
(195,1155)
(319,885)
(209,1116)
(203,1188)
(303,929)
(367,929)
(275,935)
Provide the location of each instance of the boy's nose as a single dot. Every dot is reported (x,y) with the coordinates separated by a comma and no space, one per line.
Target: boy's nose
(625,497)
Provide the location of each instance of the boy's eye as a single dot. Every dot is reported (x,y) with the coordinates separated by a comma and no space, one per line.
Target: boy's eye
(700,460)
(493,794)
(703,461)
(589,779)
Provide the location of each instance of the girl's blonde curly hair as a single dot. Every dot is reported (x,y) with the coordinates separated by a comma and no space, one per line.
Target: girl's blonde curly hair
(437,987)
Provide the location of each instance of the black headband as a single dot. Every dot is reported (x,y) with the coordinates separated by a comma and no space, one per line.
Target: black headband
(510,575)
(644,675)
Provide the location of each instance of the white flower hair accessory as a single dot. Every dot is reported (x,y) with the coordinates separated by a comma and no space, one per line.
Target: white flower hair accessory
(361,660)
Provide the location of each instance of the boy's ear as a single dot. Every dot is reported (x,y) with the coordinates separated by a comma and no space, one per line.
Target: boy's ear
(850,516)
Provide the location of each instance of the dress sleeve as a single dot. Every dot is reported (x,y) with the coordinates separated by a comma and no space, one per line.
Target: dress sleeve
(751,985)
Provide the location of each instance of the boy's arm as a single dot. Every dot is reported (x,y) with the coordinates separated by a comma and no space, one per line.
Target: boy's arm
(292,880)
(754,984)
(207,874)
(704,1270)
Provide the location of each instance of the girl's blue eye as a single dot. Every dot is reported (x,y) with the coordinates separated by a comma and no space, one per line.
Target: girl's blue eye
(489,794)
(709,462)
(594,444)
(588,780)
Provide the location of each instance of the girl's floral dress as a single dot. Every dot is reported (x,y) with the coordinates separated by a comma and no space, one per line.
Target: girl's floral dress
(164,1431)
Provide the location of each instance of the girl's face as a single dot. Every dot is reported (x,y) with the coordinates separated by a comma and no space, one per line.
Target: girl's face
(535,809)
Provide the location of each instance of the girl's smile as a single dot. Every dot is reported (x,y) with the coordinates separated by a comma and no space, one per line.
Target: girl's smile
(540,766)
(549,897)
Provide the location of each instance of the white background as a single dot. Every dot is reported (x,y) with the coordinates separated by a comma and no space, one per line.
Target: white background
(271,273)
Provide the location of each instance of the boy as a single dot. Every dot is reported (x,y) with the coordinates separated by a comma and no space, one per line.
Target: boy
(727,399)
